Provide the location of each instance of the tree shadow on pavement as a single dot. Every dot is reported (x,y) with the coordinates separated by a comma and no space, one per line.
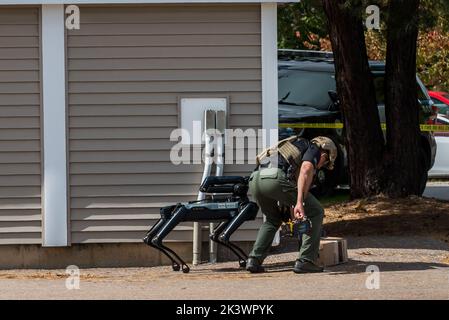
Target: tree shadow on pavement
(351,267)
(357,266)
(269,267)
(418,242)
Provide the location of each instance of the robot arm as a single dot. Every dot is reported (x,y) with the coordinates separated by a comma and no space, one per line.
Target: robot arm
(225,184)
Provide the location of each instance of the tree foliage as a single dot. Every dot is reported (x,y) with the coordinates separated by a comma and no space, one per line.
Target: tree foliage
(303,26)
(433,59)
(434,14)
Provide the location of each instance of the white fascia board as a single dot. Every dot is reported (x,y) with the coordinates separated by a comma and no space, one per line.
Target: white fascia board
(27,2)
(269,81)
(55,219)
(269,72)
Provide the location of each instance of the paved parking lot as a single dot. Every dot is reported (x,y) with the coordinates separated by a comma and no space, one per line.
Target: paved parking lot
(439,190)
(410,268)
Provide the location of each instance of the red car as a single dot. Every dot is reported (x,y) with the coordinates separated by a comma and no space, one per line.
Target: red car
(441,100)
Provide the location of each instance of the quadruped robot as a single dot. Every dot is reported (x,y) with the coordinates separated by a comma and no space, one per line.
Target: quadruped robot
(228,204)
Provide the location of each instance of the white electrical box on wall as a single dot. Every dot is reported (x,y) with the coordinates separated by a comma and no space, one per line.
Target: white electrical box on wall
(192,116)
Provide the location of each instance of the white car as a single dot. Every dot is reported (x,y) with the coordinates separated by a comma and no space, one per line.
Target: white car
(441,167)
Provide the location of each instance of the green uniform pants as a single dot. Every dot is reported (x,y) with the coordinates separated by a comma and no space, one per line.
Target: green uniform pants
(268,186)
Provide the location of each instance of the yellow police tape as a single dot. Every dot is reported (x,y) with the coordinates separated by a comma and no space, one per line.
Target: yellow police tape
(339,125)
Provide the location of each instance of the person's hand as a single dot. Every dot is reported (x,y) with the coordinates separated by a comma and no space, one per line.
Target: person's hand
(298,211)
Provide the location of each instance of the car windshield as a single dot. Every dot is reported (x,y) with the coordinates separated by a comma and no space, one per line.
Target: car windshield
(310,88)
(305,88)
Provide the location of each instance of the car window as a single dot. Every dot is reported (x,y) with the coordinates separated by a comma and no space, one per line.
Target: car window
(379,81)
(306,88)
(310,88)
(423,94)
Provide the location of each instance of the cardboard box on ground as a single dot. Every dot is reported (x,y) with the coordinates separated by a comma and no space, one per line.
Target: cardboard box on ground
(333,251)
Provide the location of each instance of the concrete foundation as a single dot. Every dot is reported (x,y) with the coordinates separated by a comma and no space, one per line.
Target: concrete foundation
(101,255)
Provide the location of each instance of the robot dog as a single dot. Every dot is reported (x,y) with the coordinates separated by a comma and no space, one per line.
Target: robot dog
(228,204)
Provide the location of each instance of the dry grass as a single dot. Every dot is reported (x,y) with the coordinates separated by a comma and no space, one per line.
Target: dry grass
(384,216)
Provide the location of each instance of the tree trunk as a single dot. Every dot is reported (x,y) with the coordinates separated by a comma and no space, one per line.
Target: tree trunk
(405,162)
(364,138)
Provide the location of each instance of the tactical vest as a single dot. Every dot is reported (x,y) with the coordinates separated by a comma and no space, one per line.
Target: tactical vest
(291,154)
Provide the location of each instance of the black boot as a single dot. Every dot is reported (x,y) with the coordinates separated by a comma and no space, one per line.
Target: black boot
(304,266)
(253,266)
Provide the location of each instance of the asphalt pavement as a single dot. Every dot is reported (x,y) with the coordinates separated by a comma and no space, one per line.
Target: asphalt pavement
(438,190)
(378,268)
(407,268)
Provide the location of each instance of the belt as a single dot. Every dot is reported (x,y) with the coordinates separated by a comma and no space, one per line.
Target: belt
(262,166)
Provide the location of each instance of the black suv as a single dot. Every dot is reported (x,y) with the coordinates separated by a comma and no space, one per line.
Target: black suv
(307,95)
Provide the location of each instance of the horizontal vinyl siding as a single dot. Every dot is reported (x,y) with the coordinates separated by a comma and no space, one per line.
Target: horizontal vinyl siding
(20,136)
(127,68)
